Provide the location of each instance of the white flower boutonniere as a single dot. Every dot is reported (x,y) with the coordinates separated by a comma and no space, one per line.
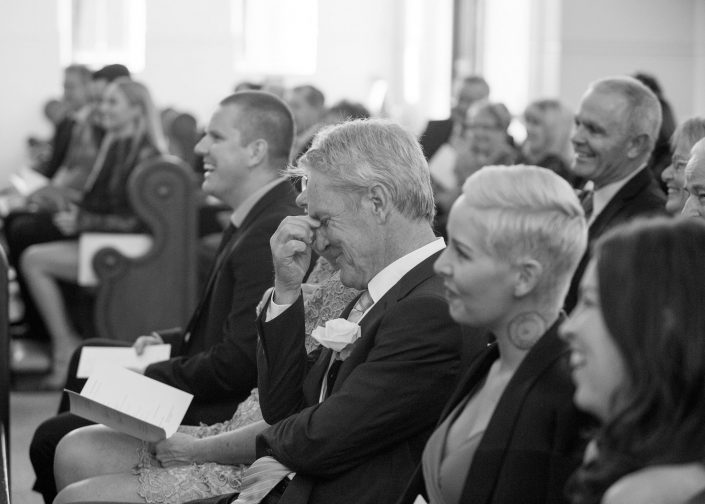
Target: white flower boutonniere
(338,335)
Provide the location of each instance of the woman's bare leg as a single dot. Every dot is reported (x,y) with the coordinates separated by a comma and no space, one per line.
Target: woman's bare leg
(43,265)
(93,451)
(120,487)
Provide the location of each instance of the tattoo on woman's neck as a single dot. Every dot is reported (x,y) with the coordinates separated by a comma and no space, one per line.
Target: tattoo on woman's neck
(525,330)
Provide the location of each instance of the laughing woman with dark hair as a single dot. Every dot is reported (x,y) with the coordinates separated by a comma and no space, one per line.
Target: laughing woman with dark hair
(638,360)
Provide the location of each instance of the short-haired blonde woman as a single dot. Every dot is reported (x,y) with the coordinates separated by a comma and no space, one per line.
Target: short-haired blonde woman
(510,432)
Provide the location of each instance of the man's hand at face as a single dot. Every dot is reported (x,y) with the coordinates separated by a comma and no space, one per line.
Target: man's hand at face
(291,252)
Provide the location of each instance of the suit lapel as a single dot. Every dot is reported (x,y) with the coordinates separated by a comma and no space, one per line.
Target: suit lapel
(221,259)
(489,457)
(630,190)
(368,325)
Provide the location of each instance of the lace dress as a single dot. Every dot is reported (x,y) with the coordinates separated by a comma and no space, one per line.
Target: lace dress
(323,300)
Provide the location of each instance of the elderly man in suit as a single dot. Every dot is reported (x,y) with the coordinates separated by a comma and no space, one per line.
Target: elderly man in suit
(245,149)
(615,131)
(349,421)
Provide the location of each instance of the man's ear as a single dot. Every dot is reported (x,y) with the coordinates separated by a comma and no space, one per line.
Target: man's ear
(529,273)
(380,201)
(637,145)
(258,151)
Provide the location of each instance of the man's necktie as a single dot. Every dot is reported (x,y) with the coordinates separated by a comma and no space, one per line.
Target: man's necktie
(587,202)
(362,304)
(259,479)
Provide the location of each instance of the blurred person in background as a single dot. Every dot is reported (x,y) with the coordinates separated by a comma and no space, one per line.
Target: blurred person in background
(682,141)
(661,156)
(132,135)
(548,126)
(308,104)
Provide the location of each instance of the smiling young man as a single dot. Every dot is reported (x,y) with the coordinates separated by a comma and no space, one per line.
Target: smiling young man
(246,148)
(614,134)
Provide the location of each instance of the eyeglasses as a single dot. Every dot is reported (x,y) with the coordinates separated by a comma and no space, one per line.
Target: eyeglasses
(304,182)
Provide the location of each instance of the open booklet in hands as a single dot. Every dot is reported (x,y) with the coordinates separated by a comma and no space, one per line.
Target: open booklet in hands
(131,403)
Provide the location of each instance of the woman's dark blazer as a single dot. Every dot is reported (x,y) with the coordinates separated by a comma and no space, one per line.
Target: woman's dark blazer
(533,441)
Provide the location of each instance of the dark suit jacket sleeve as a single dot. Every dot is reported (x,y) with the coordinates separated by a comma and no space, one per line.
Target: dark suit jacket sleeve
(568,448)
(408,372)
(174,337)
(228,369)
(281,343)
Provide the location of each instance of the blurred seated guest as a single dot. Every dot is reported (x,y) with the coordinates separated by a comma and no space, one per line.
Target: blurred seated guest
(198,462)
(486,141)
(638,363)
(76,96)
(132,135)
(510,432)
(683,140)
(55,111)
(33,222)
(661,155)
(695,182)
(467,91)
(182,135)
(345,110)
(548,126)
(308,104)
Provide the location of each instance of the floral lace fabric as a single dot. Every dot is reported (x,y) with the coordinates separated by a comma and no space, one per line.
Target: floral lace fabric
(324,299)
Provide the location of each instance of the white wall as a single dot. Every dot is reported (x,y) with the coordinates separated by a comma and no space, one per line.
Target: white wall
(189,54)
(606,37)
(29,58)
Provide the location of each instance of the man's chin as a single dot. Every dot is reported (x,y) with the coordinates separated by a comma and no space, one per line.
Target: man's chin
(583,169)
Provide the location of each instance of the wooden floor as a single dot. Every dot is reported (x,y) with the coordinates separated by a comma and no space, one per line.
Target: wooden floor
(27,411)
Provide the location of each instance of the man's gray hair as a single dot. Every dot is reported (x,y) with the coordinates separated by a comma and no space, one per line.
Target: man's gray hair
(529,212)
(644,112)
(360,154)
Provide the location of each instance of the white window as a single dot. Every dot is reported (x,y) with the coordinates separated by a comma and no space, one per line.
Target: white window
(275,37)
(101,32)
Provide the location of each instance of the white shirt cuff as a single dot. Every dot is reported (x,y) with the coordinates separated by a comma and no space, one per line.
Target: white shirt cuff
(274,309)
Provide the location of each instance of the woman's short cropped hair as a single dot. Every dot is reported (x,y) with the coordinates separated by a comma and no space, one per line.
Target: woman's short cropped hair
(360,154)
(528,211)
